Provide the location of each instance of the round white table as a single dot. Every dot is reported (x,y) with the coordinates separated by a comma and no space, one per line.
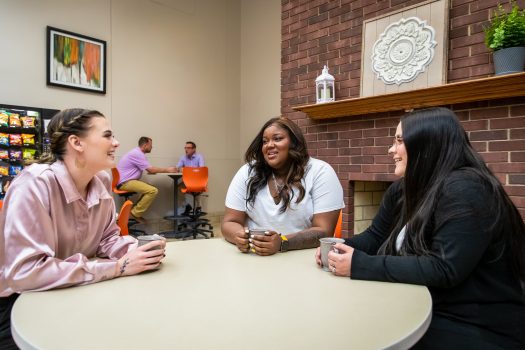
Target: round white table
(208,295)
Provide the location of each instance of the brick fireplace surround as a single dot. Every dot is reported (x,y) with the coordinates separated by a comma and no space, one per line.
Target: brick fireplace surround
(315,32)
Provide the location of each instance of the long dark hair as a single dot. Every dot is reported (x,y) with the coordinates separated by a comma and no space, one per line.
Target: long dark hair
(436,144)
(260,171)
(74,121)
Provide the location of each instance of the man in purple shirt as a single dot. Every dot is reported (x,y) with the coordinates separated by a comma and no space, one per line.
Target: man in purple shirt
(191,158)
(130,169)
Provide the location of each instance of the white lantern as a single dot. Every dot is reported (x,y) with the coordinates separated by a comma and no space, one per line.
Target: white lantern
(324,87)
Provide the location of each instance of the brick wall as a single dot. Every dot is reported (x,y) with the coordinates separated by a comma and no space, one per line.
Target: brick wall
(315,32)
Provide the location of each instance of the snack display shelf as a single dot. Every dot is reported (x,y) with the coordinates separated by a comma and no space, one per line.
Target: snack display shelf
(20,141)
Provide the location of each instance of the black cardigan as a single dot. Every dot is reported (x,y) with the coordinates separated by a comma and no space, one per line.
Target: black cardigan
(468,273)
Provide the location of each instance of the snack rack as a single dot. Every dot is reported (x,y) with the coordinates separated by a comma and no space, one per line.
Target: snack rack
(21,138)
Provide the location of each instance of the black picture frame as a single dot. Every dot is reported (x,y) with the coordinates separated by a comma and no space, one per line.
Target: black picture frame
(75,61)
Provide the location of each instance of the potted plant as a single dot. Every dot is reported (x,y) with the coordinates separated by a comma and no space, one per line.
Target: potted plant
(505,35)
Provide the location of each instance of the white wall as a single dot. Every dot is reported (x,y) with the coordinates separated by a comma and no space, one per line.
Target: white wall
(175,69)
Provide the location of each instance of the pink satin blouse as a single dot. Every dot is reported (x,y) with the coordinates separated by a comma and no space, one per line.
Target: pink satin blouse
(51,237)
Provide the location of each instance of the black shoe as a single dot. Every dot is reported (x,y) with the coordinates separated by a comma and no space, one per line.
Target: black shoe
(187,210)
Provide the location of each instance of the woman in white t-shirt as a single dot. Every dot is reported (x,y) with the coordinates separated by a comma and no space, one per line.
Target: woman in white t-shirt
(294,198)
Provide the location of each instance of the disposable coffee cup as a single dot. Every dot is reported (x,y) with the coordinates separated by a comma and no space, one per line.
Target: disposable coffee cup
(150,238)
(327,245)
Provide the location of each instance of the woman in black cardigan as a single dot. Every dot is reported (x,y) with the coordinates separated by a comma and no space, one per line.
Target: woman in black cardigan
(449,225)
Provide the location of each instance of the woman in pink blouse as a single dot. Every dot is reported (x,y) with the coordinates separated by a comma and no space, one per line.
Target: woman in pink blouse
(57,223)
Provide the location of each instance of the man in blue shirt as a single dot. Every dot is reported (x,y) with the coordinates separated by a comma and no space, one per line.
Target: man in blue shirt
(191,158)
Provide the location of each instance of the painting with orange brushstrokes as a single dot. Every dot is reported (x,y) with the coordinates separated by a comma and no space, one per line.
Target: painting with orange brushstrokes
(75,61)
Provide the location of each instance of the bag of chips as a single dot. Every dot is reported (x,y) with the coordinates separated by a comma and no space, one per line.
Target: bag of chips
(4,169)
(15,170)
(28,122)
(28,153)
(15,154)
(4,154)
(4,119)
(15,140)
(28,139)
(14,120)
(4,139)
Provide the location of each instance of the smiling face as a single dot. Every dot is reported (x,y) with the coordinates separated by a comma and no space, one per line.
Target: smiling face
(399,152)
(275,147)
(99,145)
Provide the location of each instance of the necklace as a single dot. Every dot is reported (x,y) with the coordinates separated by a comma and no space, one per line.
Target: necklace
(278,188)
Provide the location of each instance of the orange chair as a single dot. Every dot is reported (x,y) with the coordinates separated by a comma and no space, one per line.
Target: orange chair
(1,204)
(196,182)
(114,182)
(338,233)
(123,220)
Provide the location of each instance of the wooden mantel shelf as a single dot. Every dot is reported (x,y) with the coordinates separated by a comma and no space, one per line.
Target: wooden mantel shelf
(511,85)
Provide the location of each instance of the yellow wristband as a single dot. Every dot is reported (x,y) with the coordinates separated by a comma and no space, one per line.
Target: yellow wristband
(284,244)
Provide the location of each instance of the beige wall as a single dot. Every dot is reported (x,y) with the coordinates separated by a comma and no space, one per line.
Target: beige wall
(260,66)
(23,50)
(176,70)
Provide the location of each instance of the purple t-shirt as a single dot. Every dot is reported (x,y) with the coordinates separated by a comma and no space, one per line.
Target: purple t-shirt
(196,160)
(132,165)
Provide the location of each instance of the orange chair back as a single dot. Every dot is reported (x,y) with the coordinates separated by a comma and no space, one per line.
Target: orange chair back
(123,217)
(115,178)
(114,182)
(338,233)
(195,179)
(1,204)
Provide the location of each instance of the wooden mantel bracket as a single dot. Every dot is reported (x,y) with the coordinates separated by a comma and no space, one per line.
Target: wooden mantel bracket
(502,86)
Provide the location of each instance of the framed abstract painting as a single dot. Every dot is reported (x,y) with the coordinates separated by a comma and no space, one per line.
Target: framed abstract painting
(75,61)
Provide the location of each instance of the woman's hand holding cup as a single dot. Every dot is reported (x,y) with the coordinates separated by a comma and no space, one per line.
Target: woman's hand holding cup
(147,256)
(241,240)
(340,263)
(264,242)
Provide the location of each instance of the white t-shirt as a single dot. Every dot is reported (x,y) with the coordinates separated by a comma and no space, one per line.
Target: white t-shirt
(323,193)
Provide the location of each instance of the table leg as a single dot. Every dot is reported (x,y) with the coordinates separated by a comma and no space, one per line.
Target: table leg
(175,233)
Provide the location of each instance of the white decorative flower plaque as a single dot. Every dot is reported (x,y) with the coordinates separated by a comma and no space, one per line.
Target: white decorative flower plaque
(403,51)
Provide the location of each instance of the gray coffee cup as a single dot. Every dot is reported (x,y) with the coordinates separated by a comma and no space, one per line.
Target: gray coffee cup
(327,244)
(258,231)
(150,238)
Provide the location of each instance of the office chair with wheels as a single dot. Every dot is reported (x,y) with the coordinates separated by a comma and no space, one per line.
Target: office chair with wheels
(196,182)
(125,223)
